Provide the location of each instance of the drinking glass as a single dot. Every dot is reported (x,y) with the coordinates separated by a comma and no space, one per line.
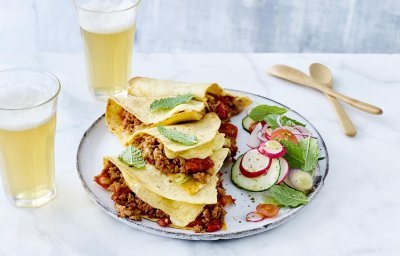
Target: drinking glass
(108,31)
(28,103)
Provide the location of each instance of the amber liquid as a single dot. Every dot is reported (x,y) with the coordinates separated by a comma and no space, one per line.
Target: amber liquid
(109,60)
(27,163)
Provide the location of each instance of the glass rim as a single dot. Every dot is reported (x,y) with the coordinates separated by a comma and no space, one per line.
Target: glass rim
(134,4)
(38,70)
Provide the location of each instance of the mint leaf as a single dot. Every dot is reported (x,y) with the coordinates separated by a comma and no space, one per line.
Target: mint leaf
(294,154)
(272,120)
(310,150)
(270,200)
(168,103)
(258,113)
(132,156)
(286,121)
(177,136)
(303,155)
(287,196)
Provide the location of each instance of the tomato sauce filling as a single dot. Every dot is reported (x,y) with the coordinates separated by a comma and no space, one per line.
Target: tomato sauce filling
(129,205)
(224,106)
(153,152)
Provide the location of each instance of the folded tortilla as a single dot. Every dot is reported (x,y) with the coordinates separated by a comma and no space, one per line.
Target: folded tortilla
(190,192)
(140,108)
(206,131)
(180,213)
(151,87)
(210,144)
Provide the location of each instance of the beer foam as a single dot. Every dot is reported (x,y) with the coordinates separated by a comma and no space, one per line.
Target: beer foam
(103,17)
(15,98)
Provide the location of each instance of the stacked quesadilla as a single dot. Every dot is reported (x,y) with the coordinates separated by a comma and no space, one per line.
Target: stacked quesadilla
(177,136)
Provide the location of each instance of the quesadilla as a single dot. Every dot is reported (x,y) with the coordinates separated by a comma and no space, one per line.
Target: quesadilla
(195,164)
(168,187)
(128,114)
(225,103)
(135,201)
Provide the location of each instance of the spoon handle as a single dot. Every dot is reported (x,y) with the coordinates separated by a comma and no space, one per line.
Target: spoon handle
(351,101)
(345,122)
(296,76)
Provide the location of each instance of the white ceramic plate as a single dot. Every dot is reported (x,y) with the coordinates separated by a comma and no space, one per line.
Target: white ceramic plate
(98,142)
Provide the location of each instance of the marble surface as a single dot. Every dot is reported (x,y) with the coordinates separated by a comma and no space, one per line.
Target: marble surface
(216,26)
(357,212)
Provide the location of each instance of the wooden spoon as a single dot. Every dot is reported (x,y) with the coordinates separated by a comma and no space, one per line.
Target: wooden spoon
(296,76)
(323,75)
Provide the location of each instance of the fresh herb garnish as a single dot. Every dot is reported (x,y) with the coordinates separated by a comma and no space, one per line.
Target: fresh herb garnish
(286,196)
(310,153)
(270,200)
(177,136)
(294,154)
(132,156)
(258,113)
(273,115)
(168,103)
(181,178)
(272,120)
(286,121)
(303,155)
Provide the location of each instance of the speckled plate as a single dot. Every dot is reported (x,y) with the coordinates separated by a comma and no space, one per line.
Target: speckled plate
(98,141)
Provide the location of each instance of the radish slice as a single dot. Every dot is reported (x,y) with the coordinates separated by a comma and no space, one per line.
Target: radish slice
(261,136)
(253,140)
(254,164)
(254,217)
(284,170)
(267,133)
(303,131)
(272,148)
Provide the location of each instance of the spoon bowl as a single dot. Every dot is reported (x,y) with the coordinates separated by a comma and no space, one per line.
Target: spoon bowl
(323,75)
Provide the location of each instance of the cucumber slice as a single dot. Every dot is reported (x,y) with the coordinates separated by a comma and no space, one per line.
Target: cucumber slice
(260,183)
(301,180)
(247,122)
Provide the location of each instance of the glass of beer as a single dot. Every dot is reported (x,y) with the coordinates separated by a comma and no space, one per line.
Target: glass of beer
(108,30)
(28,102)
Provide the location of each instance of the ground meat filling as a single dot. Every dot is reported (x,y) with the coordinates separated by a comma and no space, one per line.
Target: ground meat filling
(128,205)
(213,215)
(129,122)
(231,132)
(224,106)
(153,152)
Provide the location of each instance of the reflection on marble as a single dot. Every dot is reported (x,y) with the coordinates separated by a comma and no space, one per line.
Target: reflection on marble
(357,212)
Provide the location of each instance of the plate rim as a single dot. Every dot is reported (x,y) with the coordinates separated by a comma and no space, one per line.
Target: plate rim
(203,236)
